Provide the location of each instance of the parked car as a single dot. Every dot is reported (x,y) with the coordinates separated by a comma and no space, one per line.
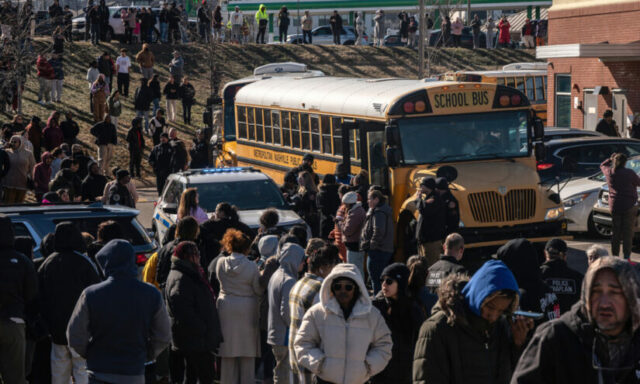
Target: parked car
(601,210)
(250,190)
(466,39)
(578,197)
(585,153)
(36,221)
(555,133)
(322,36)
(393,41)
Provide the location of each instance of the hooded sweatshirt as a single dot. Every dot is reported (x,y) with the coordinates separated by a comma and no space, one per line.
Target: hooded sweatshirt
(342,350)
(22,163)
(96,328)
(93,184)
(42,174)
(535,295)
(280,284)
(52,134)
(545,358)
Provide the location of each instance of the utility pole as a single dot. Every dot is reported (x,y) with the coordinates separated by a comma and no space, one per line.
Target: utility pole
(423,31)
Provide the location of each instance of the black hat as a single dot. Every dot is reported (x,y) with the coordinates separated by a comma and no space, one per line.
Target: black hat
(608,113)
(556,246)
(428,182)
(122,173)
(307,157)
(398,272)
(164,134)
(442,183)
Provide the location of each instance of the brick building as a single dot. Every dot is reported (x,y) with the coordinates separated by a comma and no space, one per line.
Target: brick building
(593,62)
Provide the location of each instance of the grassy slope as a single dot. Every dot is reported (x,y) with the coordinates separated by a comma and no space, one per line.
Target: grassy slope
(235,62)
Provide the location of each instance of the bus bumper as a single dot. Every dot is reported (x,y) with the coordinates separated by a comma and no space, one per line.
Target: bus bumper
(496,236)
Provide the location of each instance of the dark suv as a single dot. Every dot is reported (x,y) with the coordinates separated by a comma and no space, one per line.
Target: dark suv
(36,221)
(585,154)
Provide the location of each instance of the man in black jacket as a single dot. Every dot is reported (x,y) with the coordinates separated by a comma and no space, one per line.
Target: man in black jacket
(194,317)
(77,154)
(187,229)
(106,67)
(564,281)
(142,102)
(96,330)
(55,14)
(106,138)
(431,227)
(452,208)
(598,341)
(178,152)
(119,194)
(19,286)
(62,278)
(160,161)
(93,184)
(449,263)
(70,129)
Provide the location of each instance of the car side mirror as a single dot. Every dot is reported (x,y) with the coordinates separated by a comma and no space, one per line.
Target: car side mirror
(540,151)
(569,164)
(538,129)
(393,157)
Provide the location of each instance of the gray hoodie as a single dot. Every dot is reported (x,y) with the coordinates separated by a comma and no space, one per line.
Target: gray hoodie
(280,284)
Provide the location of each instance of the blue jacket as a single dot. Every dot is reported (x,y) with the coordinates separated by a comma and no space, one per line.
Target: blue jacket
(121,323)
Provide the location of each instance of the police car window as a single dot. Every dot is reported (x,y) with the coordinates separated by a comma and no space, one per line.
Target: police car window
(246,195)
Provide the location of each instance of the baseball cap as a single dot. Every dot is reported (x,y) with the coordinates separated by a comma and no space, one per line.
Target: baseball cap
(556,246)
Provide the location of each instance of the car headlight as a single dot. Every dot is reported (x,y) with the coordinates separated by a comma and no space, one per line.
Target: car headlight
(554,213)
(575,199)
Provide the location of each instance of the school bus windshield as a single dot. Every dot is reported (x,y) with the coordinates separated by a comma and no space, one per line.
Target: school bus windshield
(435,139)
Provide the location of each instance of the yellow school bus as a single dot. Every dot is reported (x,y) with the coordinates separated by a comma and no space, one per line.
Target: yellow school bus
(529,78)
(400,131)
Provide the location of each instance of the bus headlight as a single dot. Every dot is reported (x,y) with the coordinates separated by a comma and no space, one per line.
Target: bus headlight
(554,213)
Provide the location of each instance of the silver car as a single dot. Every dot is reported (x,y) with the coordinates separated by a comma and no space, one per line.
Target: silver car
(322,36)
(578,197)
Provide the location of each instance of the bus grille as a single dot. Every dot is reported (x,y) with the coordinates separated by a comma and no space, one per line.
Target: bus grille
(488,207)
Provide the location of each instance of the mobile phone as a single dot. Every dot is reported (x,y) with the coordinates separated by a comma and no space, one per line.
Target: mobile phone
(531,315)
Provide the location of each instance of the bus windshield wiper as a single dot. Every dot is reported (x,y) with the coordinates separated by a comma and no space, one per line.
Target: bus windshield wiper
(458,156)
(496,156)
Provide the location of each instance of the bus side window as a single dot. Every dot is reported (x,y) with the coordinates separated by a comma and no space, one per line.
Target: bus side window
(286,129)
(275,120)
(304,128)
(315,132)
(353,135)
(251,123)
(511,82)
(336,123)
(539,89)
(295,130)
(242,122)
(520,84)
(326,134)
(268,137)
(530,94)
(500,80)
(259,131)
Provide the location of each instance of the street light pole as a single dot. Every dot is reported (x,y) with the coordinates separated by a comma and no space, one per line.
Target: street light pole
(422,32)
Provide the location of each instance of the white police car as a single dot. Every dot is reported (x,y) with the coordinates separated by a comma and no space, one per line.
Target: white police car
(250,190)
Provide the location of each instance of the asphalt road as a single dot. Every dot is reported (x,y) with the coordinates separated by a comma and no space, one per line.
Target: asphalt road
(576,256)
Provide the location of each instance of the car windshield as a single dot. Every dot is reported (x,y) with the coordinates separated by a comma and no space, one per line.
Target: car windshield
(435,139)
(633,164)
(245,195)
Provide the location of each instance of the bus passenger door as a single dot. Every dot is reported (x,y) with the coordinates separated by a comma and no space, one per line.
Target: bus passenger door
(376,160)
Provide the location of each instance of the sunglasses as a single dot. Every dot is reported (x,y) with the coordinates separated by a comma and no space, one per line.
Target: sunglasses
(387,281)
(342,286)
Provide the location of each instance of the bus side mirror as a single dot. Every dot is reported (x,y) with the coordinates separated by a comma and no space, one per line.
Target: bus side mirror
(393,157)
(538,129)
(540,151)
(392,133)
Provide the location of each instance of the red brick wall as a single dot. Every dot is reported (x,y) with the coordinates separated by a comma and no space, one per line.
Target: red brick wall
(613,23)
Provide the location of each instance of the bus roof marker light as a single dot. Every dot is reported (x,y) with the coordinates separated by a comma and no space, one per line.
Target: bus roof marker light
(420,106)
(408,107)
(445,87)
(504,100)
(516,99)
(477,85)
(461,86)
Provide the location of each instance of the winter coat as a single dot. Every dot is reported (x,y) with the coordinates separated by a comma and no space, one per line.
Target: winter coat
(377,233)
(176,66)
(212,231)
(192,307)
(56,64)
(114,106)
(505,36)
(432,220)
(62,278)
(171,91)
(105,133)
(238,305)
(66,178)
(404,322)
(93,184)
(83,162)
(563,281)
(351,226)
(178,155)
(305,206)
(447,265)
(96,328)
(34,135)
(456,345)
(163,267)
(452,212)
(535,295)
(42,175)
(188,94)
(328,203)
(284,278)
(160,159)
(45,70)
(119,194)
(106,66)
(142,98)
(199,153)
(22,163)
(135,138)
(70,131)
(53,135)
(378,29)
(17,274)
(339,350)
(562,350)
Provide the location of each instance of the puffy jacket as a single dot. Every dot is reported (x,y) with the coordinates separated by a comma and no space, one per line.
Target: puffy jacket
(62,278)
(351,226)
(45,70)
(377,234)
(105,133)
(18,280)
(192,307)
(280,284)
(262,14)
(342,350)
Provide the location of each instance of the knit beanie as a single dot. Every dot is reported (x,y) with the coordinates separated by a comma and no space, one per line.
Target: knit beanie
(400,273)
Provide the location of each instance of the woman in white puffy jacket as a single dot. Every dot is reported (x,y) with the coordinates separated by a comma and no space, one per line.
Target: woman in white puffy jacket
(343,339)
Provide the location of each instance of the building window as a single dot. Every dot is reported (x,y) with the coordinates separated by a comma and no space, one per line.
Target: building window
(563,101)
